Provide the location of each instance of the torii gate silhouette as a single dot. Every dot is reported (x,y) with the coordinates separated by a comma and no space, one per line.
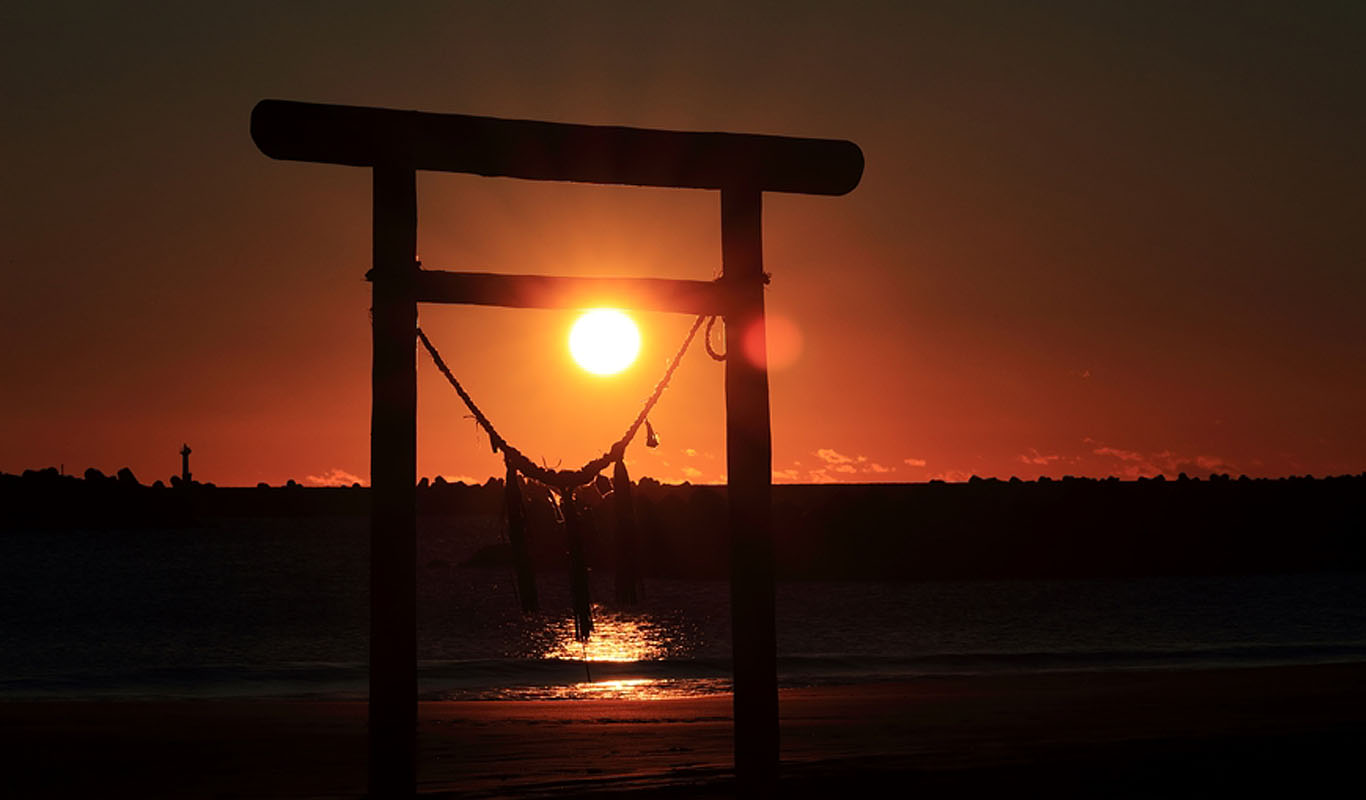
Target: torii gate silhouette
(395,144)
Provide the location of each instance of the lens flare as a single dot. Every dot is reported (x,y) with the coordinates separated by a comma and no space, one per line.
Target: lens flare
(780,345)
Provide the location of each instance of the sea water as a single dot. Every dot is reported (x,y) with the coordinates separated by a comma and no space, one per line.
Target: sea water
(279,608)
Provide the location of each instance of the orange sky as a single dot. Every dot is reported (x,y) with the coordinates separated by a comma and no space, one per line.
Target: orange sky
(1087,241)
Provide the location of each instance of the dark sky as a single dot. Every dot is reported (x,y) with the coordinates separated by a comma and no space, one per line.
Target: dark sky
(1091,238)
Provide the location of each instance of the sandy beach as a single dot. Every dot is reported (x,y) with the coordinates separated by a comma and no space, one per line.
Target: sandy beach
(1131,734)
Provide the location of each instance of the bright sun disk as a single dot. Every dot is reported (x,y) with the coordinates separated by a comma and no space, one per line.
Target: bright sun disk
(604,341)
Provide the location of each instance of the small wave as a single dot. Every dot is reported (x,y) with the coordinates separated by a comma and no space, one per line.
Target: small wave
(827,667)
(210,681)
(531,679)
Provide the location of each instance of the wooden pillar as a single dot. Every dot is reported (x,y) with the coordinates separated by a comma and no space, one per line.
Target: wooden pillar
(749,459)
(393,460)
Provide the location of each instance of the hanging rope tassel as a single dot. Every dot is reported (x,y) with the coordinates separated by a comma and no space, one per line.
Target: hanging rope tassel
(628,569)
(578,568)
(521,554)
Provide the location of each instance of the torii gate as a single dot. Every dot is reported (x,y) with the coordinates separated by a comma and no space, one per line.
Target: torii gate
(395,144)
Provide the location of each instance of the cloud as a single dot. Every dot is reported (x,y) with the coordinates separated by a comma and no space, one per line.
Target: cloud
(820,476)
(1137,464)
(914,462)
(1212,463)
(692,473)
(843,465)
(1039,459)
(951,476)
(1122,455)
(690,452)
(334,477)
(833,456)
(787,475)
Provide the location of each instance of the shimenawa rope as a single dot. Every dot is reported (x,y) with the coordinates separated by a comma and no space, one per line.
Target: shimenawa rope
(563,480)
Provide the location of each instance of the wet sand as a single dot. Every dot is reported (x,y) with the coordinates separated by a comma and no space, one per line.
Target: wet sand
(1285,731)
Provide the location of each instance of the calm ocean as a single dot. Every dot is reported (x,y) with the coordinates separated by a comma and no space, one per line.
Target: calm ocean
(278,608)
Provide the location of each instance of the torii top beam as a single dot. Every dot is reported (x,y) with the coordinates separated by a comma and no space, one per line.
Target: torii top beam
(551,151)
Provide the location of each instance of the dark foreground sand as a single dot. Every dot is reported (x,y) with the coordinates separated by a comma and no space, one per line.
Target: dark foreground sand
(1288,732)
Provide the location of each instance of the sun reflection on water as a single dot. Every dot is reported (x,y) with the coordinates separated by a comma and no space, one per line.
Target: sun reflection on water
(616,638)
(630,656)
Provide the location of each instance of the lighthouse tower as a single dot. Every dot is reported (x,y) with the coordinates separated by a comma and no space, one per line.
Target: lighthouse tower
(185,465)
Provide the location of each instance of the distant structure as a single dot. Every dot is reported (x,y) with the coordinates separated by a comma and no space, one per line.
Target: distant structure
(185,464)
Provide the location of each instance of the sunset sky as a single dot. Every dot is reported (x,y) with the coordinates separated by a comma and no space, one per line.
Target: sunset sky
(1091,238)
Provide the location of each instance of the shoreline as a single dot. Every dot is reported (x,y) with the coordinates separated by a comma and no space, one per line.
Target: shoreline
(1254,727)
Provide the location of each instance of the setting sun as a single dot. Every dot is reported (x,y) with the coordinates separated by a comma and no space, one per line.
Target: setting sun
(604,341)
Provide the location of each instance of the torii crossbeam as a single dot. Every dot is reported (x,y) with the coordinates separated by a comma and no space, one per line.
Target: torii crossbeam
(395,144)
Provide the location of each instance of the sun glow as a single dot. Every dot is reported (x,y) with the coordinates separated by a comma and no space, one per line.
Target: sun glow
(604,341)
